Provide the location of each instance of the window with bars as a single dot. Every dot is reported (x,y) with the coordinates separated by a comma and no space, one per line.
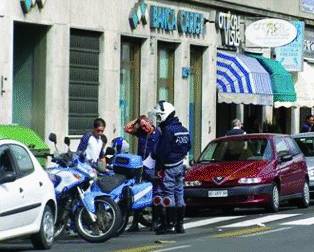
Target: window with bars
(84,80)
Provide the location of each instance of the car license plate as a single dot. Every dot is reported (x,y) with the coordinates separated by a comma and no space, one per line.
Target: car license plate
(217,194)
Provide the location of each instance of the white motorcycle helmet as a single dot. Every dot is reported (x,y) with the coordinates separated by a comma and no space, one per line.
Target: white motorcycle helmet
(162,110)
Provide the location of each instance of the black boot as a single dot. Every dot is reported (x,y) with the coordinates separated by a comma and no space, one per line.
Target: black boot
(180,218)
(171,219)
(155,217)
(162,227)
(134,226)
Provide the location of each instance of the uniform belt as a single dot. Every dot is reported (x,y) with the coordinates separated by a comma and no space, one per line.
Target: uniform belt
(172,165)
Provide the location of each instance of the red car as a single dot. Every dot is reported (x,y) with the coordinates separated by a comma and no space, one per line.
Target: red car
(248,170)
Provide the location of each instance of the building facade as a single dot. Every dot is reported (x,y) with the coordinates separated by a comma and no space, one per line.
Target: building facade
(65,62)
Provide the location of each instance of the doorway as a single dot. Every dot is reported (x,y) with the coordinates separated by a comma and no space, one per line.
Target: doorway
(29,76)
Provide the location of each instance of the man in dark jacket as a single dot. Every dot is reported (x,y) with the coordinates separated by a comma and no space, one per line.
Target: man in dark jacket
(236,128)
(171,149)
(308,124)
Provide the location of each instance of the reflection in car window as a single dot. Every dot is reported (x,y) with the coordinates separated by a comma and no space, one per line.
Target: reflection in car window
(281,147)
(5,161)
(237,150)
(306,144)
(23,159)
(295,150)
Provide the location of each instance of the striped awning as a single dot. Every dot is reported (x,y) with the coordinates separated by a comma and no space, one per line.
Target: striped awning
(241,79)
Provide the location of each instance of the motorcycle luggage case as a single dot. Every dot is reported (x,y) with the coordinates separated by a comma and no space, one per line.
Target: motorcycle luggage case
(142,194)
(128,164)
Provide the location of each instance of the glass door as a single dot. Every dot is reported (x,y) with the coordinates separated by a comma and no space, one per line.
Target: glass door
(165,83)
(195,105)
(129,86)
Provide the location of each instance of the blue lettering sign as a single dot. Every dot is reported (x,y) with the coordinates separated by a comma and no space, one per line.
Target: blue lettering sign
(190,22)
(27,5)
(163,18)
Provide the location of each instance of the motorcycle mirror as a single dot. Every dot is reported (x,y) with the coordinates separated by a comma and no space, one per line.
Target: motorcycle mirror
(67,141)
(53,138)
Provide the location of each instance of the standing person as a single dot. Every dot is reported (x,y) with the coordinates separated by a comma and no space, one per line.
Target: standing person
(92,143)
(236,128)
(308,124)
(171,149)
(148,135)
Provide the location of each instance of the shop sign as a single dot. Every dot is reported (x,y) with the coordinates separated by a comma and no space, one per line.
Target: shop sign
(270,32)
(307,6)
(291,55)
(27,5)
(229,25)
(166,19)
(308,51)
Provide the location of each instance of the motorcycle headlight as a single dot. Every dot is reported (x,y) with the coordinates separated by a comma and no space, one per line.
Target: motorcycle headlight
(249,180)
(192,183)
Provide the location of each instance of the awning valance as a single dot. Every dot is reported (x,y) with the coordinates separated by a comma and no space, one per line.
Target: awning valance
(303,88)
(241,79)
(281,80)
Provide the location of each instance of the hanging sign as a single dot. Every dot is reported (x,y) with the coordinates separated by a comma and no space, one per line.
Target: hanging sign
(229,26)
(291,55)
(270,32)
(309,44)
(27,5)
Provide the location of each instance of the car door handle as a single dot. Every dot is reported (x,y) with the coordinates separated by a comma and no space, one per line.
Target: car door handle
(40,183)
(21,190)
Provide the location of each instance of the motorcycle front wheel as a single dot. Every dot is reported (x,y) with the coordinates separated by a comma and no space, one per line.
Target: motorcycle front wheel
(108,217)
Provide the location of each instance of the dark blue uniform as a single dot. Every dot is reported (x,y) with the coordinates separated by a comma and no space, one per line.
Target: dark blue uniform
(171,149)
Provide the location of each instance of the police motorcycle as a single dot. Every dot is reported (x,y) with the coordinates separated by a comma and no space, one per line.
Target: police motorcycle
(124,186)
(93,215)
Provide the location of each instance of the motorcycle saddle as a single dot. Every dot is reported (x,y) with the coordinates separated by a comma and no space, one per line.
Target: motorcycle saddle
(108,183)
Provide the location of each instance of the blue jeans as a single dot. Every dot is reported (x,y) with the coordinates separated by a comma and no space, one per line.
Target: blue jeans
(173,187)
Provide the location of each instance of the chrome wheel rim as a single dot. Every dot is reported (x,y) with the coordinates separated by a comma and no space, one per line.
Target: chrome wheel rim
(306,193)
(276,197)
(48,226)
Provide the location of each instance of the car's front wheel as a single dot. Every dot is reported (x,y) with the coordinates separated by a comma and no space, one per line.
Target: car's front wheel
(44,238)
(304,202)
(273,205)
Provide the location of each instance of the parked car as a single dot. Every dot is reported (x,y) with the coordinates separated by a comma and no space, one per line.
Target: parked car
(306,143)
(248,170)
(27,196)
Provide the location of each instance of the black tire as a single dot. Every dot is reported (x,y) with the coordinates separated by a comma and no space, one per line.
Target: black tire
(104,227)
(304,202)
(45,237)
(273,205)
(124,220)
(146,217)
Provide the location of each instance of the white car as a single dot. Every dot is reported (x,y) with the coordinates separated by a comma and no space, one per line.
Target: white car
(306,143)
(27,197)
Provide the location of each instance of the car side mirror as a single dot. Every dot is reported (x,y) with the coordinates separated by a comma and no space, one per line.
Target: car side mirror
(53,138)
(67,141)
(8,177)
(285,158)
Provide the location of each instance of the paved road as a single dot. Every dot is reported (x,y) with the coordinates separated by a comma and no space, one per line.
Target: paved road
(290,230)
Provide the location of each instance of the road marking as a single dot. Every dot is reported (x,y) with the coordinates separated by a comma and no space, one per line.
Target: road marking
(173,248)
(261,220)
(267,232)
(240,232)
(209,221)
(141,249)
(304,222)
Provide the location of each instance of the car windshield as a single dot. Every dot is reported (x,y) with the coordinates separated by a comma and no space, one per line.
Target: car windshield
(237,150)
(306,145)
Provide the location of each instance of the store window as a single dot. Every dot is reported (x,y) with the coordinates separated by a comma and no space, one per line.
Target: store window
(165,82)
(129,86)
(195,104)
(84,80)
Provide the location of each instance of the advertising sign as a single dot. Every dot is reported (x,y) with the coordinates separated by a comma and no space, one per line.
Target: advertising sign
(309,44)
(291,55)
(307,6)
(270,32)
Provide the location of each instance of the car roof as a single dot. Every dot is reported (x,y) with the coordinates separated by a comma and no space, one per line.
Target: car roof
(306,134)
(251,136)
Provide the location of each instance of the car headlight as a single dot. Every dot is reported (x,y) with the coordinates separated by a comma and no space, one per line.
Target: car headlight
(311,173)
(249,180)
(192,183)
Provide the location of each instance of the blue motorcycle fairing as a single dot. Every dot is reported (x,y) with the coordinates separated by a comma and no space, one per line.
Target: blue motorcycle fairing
(142,195)
(89,200)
